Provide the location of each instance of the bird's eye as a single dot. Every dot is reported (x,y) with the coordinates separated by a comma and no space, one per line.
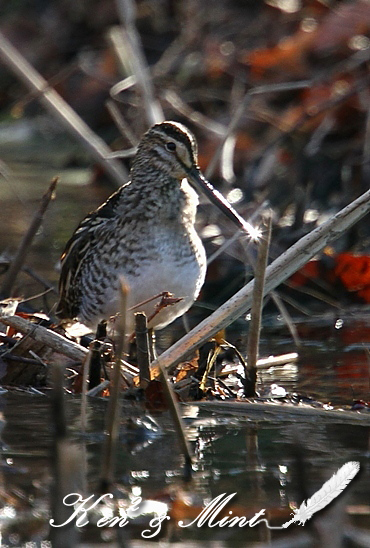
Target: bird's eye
(171,146)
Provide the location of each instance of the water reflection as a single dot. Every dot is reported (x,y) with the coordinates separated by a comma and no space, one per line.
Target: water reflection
(267,465)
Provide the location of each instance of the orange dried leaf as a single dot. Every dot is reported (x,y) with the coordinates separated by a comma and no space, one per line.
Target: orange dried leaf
(309,271)
(288,56)
(353,271)
(187,369)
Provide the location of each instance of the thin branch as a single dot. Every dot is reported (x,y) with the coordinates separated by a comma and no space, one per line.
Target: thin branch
(66,463)
(286,317)
(274,361)
(285,412)
(121,123)
(268,88)
(256,311)
(46,336)
(316,111)
(85,374)
(366,146)
(24,247)
(130,40)
(39,279)
(176,417)
(276,273)
(197,118)
(61,110)
(113,411)
(142,348)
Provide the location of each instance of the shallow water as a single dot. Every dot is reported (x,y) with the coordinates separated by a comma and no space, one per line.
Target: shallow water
(266,463)
(263,462)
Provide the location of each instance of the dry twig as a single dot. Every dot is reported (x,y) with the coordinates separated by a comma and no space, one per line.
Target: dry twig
(113,412)
(285,412)
(24,247)
(130,40)
(142,348)
(256,311)
(46,336)
(276,273)
(59,108)
(176,417)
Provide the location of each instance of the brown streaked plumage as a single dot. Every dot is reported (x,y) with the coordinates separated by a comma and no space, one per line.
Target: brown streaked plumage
(144,231)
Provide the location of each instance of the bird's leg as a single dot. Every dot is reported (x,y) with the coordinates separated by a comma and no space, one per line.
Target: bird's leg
(167,299)
(152,350)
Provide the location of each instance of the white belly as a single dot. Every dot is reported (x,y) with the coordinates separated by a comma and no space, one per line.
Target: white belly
(183,282)
(183,279)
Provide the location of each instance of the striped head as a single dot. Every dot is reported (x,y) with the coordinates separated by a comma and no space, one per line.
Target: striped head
(168,147)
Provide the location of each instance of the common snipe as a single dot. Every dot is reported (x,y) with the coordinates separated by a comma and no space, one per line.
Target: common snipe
(145,232)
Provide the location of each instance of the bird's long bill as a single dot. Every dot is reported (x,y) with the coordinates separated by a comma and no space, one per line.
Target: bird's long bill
(202,185)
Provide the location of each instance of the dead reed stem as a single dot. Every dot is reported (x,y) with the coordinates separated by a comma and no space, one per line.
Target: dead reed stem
(114,407)
(286,317)
(142,348)
(268,411)
(24,247)
(195,117)
(85,374)
(61,110)
(64,468)
(131,41)
(177,420)
(274,361)
(256,310)
(268,88)
(276,273)
(143,353)
(121,123)
(39,333)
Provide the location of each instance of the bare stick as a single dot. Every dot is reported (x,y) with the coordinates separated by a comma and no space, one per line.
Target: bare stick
(194,116)
(65,457)
(24,247)
(46,336)
(85,374)
(39,279)
(176,417)
(142,348)
(285,412)
(127,12)
(97,389)
(59,108)
(268,88)
(276,273)
(286,317)
(366,146)
(275,361)
(120,122)
(256,311)
(113,412)
(310,114)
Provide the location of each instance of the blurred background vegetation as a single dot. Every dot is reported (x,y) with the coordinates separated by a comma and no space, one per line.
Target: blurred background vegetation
(279,87)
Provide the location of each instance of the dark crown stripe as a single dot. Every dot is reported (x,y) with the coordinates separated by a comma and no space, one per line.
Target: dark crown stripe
(178,133)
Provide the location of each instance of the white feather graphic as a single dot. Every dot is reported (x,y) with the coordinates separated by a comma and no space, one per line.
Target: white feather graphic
(329,491)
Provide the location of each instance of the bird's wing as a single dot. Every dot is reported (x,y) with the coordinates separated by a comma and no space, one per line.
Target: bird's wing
(77,251)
